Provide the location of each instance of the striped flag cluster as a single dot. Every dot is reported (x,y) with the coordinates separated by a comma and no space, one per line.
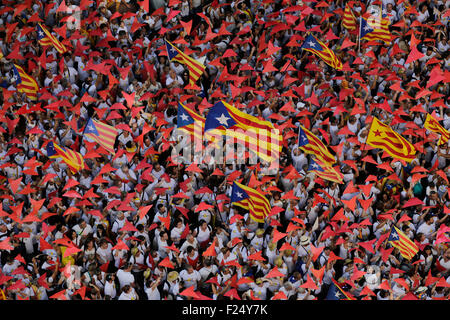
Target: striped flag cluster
(311,144)
(399,240)
(103,134)
(433,125)
(252,200)
(47,39)
(314,45)
(25,83)
(349,20)
(326,172)
(194,66)
(375,28)
(257,135)
(383,137)
(73,159)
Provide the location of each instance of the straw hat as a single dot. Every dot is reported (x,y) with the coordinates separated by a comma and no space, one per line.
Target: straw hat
(172,276)
(304,240)
(259,232)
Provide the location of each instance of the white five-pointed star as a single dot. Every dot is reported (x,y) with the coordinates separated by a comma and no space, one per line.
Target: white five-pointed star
(304,138)
(239,194)
(223,120)
(312,44)
(315,166)
(90,127)
(40,33)
(367,28)
(184,117)
(394,235)
(337,294)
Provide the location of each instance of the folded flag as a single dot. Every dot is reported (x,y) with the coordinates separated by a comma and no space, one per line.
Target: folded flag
(74,160)
(260,136)
(314,45)
(25,83)
(349,19)
(374,27)
(399,240)
(311,144)
(383,137)
(190,121)
(433,125)
(336,292)
(326,172)
(194,66)
(45,38)
(103,134)
(252,200)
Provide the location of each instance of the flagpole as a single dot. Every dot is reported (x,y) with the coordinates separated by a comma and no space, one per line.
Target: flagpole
(359,33)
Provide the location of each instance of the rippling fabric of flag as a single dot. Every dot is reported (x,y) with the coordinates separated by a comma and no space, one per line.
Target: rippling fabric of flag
(195,67)
(190,121)
(335,292)
(349,19)
(383,137)
(25,83)
(252,200)
(375,28)
(326,172)
(311,144)
(433,125)
(314,45)
(74,160)
(399,240)
(259,136)
(47,39)
(103,134)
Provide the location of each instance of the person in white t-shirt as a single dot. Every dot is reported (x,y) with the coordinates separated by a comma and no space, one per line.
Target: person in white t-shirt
(125,276)
(190,277)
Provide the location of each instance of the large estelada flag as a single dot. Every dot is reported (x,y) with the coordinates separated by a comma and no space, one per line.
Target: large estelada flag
(399,240)
(336,292)
(314,45)
(25,83)
(194,66)
(326,172)
(433,125)
(102,133)
(73,159)
(375,27)
(252,200)
(45,38)
(190,121)
(311,144)
(260,136)
(383,137)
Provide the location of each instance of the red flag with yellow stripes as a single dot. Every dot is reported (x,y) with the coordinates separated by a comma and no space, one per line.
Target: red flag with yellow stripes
(433,125)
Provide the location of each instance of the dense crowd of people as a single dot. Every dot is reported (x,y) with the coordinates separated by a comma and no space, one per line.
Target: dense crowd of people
(138,225)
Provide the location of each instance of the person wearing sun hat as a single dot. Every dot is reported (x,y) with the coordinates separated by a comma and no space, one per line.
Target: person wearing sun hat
(304,248)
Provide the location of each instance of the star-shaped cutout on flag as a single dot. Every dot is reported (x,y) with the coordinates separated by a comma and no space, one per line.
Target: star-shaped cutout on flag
(184,117)
(315,166)
(312,44)
(394,235)
(239,194)
(223,120)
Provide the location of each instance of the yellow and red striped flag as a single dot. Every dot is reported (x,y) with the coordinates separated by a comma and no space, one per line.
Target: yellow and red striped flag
(399,240)
(195,67)
(383,137)
(326,172)
(433,125)
(103,134)
(47,39)
(252,200)
(190,121)
(349,20)
(25,83)
(311,144)
(375,27)
(73,159)
(314,45)
(260,136)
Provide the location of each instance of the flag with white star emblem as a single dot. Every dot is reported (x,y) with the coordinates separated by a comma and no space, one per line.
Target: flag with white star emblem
(103,134)
(190,121)
(326,172)
(314,45)
(336,292)
(259,136)
(25,83)
(73,159)
(311,144)
(252,200)
(194,66)
(45,38)
(408,249)
(375,28)
(383,137)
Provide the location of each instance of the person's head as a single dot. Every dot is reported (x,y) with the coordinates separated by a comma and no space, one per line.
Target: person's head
(163,235)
